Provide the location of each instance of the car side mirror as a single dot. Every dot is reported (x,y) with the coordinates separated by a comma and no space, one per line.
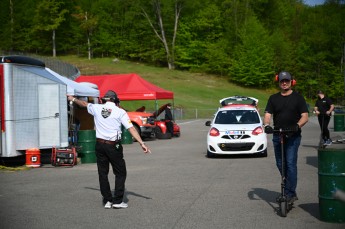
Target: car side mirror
(208,123)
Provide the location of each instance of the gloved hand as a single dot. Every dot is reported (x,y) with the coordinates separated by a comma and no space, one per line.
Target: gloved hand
(268,129)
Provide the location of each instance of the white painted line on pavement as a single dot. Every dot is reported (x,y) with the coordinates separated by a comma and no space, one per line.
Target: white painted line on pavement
(188,122)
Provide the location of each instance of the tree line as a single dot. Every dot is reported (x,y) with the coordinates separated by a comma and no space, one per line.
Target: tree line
(248,41)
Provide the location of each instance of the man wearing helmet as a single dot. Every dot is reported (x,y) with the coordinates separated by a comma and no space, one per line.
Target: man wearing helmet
(108,118)
(289,110)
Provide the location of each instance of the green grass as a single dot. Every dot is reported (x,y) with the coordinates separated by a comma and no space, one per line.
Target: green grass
(13,169)
(191,90)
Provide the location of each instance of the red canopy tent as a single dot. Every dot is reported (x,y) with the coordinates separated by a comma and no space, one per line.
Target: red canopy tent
(127,87)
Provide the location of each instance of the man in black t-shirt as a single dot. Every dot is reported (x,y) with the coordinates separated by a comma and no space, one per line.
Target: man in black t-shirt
(289,110)
(323,109)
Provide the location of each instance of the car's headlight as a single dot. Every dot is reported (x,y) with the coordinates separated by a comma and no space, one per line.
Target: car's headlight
(151,120)
(144,120)
(258,130)
(214,132)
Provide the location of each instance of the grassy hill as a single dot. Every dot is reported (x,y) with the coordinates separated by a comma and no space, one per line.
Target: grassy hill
(193,92)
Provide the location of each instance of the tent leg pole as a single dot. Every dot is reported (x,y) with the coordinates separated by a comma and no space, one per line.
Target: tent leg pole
(173,110)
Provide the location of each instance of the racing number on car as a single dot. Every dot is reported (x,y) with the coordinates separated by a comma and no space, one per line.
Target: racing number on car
(234,132)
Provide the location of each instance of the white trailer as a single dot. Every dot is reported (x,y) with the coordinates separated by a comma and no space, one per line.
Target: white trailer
(33,107)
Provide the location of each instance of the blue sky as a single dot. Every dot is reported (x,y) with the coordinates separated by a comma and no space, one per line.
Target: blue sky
(314,2)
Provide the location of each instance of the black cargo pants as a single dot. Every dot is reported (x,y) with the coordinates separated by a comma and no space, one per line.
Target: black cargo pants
(111,154)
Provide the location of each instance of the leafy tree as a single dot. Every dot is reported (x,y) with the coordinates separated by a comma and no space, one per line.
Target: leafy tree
(247,40)
(320,49)
(200,41)
(16,23)
(88,23)
(252,63)
(49,15)
(217,59)
(159,29)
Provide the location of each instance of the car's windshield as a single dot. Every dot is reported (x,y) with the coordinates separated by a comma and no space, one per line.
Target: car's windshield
(237,117)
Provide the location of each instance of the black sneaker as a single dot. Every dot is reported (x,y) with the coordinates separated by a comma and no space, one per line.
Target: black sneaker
(279,199)
(291,199)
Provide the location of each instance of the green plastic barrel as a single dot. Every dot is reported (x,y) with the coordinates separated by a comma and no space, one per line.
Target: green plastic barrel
(126,136)
(331,171)
(87,142)
(339,122)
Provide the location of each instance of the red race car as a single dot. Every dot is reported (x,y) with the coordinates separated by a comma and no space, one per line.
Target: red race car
(161,127)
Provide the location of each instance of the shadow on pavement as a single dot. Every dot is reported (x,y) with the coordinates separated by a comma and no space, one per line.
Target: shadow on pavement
(312,160)
(312,209)
(127,193)
(12,161)
(235,156)
(311,146)
(263,194)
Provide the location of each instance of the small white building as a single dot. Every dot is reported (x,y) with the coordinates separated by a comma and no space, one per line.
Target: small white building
(33,107)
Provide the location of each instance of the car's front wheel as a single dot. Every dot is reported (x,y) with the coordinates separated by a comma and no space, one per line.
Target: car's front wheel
(263,153)
(160,135)
(210,155)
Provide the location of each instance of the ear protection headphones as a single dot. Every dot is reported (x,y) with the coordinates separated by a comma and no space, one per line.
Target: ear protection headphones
(114,100)
(293,81)
(111,96)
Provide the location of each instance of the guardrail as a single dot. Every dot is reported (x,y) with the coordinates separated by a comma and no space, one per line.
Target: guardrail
(60,67)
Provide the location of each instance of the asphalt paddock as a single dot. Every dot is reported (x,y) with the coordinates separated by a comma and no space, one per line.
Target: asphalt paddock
(176,186)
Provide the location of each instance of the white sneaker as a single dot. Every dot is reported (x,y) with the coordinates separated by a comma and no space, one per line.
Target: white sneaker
(108,205)
(327,142)
(121,205)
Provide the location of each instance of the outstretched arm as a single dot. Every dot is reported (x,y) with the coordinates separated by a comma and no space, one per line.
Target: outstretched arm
(137,137)
(77,101)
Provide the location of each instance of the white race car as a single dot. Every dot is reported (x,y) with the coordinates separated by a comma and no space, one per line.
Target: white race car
(236,129)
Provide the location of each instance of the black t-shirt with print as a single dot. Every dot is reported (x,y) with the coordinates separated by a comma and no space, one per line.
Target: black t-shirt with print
(323,105)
